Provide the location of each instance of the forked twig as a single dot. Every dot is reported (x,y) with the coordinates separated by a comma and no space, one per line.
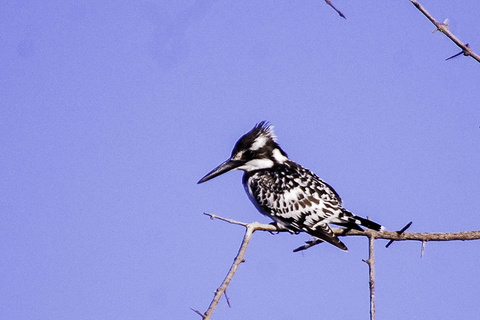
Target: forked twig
(250,229)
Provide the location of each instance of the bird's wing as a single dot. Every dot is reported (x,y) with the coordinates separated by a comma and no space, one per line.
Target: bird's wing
(324,232)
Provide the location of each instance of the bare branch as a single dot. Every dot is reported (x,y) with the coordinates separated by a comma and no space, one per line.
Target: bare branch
(371,272)
(418,236)
(389,235)
(214,216)
(371,234)
(251,228)
(443,27)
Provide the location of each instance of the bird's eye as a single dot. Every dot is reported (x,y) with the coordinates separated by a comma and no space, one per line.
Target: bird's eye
(248,154)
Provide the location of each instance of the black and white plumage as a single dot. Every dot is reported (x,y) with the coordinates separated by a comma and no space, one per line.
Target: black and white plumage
(294,197)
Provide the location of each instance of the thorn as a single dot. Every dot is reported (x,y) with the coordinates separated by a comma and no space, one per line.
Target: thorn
(399,233)
(389,243)
(226,298)
(445,23)
(405,228)
(456,55)
(198,312)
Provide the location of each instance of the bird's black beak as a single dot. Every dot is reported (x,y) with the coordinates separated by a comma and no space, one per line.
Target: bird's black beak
(224,167)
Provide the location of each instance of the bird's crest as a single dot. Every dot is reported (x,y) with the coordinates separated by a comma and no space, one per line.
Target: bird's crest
(261,135)
(264,128)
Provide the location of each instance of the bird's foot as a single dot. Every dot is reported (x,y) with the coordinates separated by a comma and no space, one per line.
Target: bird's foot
(281,228)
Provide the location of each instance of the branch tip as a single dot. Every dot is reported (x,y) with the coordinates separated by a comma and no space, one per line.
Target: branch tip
(329,2)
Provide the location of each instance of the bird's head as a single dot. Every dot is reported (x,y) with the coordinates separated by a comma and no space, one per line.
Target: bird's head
(255,150)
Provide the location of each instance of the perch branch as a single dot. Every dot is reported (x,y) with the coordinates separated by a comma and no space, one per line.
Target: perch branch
(371,234)
(418,236)
(466,50)
(389,235)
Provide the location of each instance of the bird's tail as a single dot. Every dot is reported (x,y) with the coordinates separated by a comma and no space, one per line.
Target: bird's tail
(325,233)
(355,222)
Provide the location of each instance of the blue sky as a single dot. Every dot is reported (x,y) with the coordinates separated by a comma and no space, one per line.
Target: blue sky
(111,112)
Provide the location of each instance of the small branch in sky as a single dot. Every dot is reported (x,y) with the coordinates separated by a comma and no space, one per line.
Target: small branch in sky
(443,27)
(329,2)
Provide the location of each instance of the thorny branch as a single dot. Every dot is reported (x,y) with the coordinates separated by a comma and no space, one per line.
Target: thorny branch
(443,27)
(371,274)
(371,234)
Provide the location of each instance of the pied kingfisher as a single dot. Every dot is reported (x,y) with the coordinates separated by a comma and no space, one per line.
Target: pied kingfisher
(294,197)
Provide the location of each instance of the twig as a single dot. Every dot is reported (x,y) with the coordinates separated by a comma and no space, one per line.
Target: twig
(251,228)
(329,2)
(442,27)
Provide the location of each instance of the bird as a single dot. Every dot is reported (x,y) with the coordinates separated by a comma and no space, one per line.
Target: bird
(295,198)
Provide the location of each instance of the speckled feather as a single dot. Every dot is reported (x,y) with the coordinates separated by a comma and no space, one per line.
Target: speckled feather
(297,199)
